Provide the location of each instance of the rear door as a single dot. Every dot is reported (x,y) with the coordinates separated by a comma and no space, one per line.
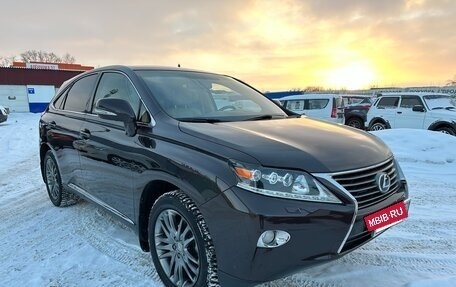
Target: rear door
(319,108)
(387,108)
(63,122)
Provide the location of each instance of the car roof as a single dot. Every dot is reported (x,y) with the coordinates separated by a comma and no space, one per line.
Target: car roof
(310,96)
(149,68)
(405,93)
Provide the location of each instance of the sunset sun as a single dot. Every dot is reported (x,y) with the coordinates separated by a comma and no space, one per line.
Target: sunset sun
(351,76)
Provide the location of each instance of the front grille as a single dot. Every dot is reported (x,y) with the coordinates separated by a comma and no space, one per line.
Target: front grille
(356,240)
(362,185)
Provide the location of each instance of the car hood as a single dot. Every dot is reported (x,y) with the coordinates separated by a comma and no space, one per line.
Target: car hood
(302,143)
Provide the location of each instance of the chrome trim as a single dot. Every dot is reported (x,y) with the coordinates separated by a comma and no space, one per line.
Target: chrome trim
(100,202)
(152,120)
(329,178)
(360,169)
(376,233)
(103,112)
(280,238)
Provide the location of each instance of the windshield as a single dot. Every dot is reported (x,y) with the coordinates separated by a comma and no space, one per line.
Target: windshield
(194,96)
(435,102)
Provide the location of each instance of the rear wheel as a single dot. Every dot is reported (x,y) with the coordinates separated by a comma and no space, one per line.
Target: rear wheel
(58,195)
(180,243)
(378,126)
(355,122)
(446,130)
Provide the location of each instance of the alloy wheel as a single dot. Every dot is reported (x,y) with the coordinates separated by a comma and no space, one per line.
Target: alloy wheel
(176,248)
(51,178)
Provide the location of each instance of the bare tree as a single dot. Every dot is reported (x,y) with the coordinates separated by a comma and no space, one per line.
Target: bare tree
(68,59)
(46,57)
(7,61)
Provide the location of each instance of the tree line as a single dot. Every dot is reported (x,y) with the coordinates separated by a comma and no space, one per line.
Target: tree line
(38,56)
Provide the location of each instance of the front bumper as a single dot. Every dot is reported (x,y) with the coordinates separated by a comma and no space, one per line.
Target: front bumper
(320,232)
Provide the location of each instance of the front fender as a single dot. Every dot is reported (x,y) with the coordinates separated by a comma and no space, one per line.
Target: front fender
(439,123)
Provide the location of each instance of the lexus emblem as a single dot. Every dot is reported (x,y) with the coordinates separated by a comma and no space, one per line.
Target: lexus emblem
(383,182)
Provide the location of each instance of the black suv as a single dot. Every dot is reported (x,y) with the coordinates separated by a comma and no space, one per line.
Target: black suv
(221,185)
(355,110)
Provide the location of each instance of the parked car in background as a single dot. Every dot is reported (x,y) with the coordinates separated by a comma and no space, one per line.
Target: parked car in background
(222,186)
(327,107)
(3,114)
(355,110)
(432,111)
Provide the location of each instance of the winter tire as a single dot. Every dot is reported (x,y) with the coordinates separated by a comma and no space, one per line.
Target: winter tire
(180,243)
(58,195)
(378,126)
(355,123)
(446,130)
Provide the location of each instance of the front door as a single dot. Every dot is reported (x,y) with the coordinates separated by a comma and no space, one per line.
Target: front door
(406,117)
(108,154)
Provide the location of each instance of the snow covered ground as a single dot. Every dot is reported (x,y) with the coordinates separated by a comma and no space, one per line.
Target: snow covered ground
(41,245)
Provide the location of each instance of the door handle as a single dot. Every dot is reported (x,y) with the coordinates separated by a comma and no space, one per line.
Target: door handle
(52,124)
(84,133)
(399,112)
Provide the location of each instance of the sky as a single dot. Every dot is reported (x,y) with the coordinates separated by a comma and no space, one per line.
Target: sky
(272,45)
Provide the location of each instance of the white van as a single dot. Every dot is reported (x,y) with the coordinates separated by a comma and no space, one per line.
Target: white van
(327,107)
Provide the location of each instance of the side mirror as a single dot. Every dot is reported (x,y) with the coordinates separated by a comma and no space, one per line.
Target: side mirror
(117,110)
(418,108)
(277,102)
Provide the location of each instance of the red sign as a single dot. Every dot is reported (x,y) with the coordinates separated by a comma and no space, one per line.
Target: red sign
(386,216)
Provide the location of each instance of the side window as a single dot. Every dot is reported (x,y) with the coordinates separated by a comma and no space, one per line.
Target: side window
(316,104)
(79,94)
(388,102)
(295,105)
(115,85)
(58,104)
(410,101)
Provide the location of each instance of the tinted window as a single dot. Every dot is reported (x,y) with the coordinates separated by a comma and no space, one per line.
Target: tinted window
(307,104)
(388,102)
(295,105)
(316,104)
(58,104)
(115,85)
(79,94)
(410,101)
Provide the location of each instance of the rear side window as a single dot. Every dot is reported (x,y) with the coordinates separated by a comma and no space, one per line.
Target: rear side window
(295,105)
(58,104)
(79,94)
(316,104)
(388,102)
(307,104)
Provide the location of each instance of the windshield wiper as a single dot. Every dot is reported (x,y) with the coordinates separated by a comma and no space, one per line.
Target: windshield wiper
(446,108)
(270,117)
(200,120)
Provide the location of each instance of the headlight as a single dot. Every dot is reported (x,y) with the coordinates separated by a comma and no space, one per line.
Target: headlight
(282,183)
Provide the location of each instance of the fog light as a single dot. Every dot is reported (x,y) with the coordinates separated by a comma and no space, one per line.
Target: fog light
(273,238)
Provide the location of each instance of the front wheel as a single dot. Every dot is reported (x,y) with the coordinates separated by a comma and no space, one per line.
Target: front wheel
(180,243)
(447,130)
(378,126)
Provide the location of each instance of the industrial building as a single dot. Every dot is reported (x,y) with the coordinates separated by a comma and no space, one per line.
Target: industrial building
(28,87)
